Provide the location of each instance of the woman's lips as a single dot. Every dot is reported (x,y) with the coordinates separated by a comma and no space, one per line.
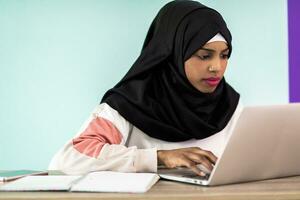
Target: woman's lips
(213,81)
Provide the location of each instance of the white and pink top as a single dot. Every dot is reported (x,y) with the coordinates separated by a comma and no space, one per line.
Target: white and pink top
(107,141)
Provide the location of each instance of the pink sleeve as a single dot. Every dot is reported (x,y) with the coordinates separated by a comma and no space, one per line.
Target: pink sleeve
(100,145)
(99,132)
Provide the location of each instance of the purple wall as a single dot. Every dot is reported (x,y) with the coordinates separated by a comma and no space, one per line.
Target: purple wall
(294,49)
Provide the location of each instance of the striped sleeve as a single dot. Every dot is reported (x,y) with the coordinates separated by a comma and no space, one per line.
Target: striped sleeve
(100,145)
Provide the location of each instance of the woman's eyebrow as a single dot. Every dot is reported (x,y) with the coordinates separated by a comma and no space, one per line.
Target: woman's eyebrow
(225,49)
(212,50)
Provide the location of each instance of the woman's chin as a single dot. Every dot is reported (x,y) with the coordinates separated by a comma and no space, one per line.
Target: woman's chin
(207,90)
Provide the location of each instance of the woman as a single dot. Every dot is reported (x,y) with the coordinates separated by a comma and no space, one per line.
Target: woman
(172,108)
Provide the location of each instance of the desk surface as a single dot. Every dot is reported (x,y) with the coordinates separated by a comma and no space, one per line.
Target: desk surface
(285,188)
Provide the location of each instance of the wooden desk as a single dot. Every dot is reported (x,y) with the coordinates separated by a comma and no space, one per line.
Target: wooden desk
(285,188)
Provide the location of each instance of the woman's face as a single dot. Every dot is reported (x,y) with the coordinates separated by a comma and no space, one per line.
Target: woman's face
(206,67)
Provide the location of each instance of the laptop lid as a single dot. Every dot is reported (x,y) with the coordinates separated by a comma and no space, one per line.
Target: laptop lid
(264,144)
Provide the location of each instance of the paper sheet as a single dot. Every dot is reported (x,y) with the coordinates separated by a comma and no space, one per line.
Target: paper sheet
(107,181)
(40,183)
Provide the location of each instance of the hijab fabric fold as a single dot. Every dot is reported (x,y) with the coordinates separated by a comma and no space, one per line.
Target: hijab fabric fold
(155,94)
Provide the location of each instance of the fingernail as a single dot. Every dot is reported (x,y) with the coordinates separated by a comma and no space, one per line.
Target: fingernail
(202,174)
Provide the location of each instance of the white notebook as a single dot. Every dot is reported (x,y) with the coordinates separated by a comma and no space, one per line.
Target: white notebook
(103,181)
(115,182)
(40,183)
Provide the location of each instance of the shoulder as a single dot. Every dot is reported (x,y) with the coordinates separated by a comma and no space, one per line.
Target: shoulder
(105,111)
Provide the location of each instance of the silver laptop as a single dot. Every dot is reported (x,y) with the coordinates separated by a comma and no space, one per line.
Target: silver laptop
(264,144)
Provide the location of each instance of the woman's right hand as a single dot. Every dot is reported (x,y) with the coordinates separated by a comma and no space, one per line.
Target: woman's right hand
(187,157)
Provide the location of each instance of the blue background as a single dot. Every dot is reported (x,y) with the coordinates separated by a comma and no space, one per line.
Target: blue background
(58,57)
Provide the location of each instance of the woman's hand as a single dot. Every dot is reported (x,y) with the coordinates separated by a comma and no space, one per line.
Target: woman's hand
(187,157)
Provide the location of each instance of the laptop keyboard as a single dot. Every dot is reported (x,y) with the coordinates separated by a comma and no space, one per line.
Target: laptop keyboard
(183,172)
(190,174)
(206,177)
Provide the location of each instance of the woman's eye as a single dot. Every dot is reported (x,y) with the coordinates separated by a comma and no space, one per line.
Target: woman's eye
(204,57)
(225,56)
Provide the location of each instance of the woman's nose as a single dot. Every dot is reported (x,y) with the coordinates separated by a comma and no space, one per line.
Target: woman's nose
(216,64)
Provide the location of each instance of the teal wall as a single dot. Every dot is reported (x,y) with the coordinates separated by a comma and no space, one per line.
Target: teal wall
(58,57)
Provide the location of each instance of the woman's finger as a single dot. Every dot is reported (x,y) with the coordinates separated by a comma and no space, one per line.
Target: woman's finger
(197,171)
(191,165)
(208,154)
(200,159)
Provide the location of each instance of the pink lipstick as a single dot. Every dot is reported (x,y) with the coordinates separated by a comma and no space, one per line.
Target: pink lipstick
(212,81)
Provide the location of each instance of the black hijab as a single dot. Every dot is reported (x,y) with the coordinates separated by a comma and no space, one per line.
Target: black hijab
(155,94)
